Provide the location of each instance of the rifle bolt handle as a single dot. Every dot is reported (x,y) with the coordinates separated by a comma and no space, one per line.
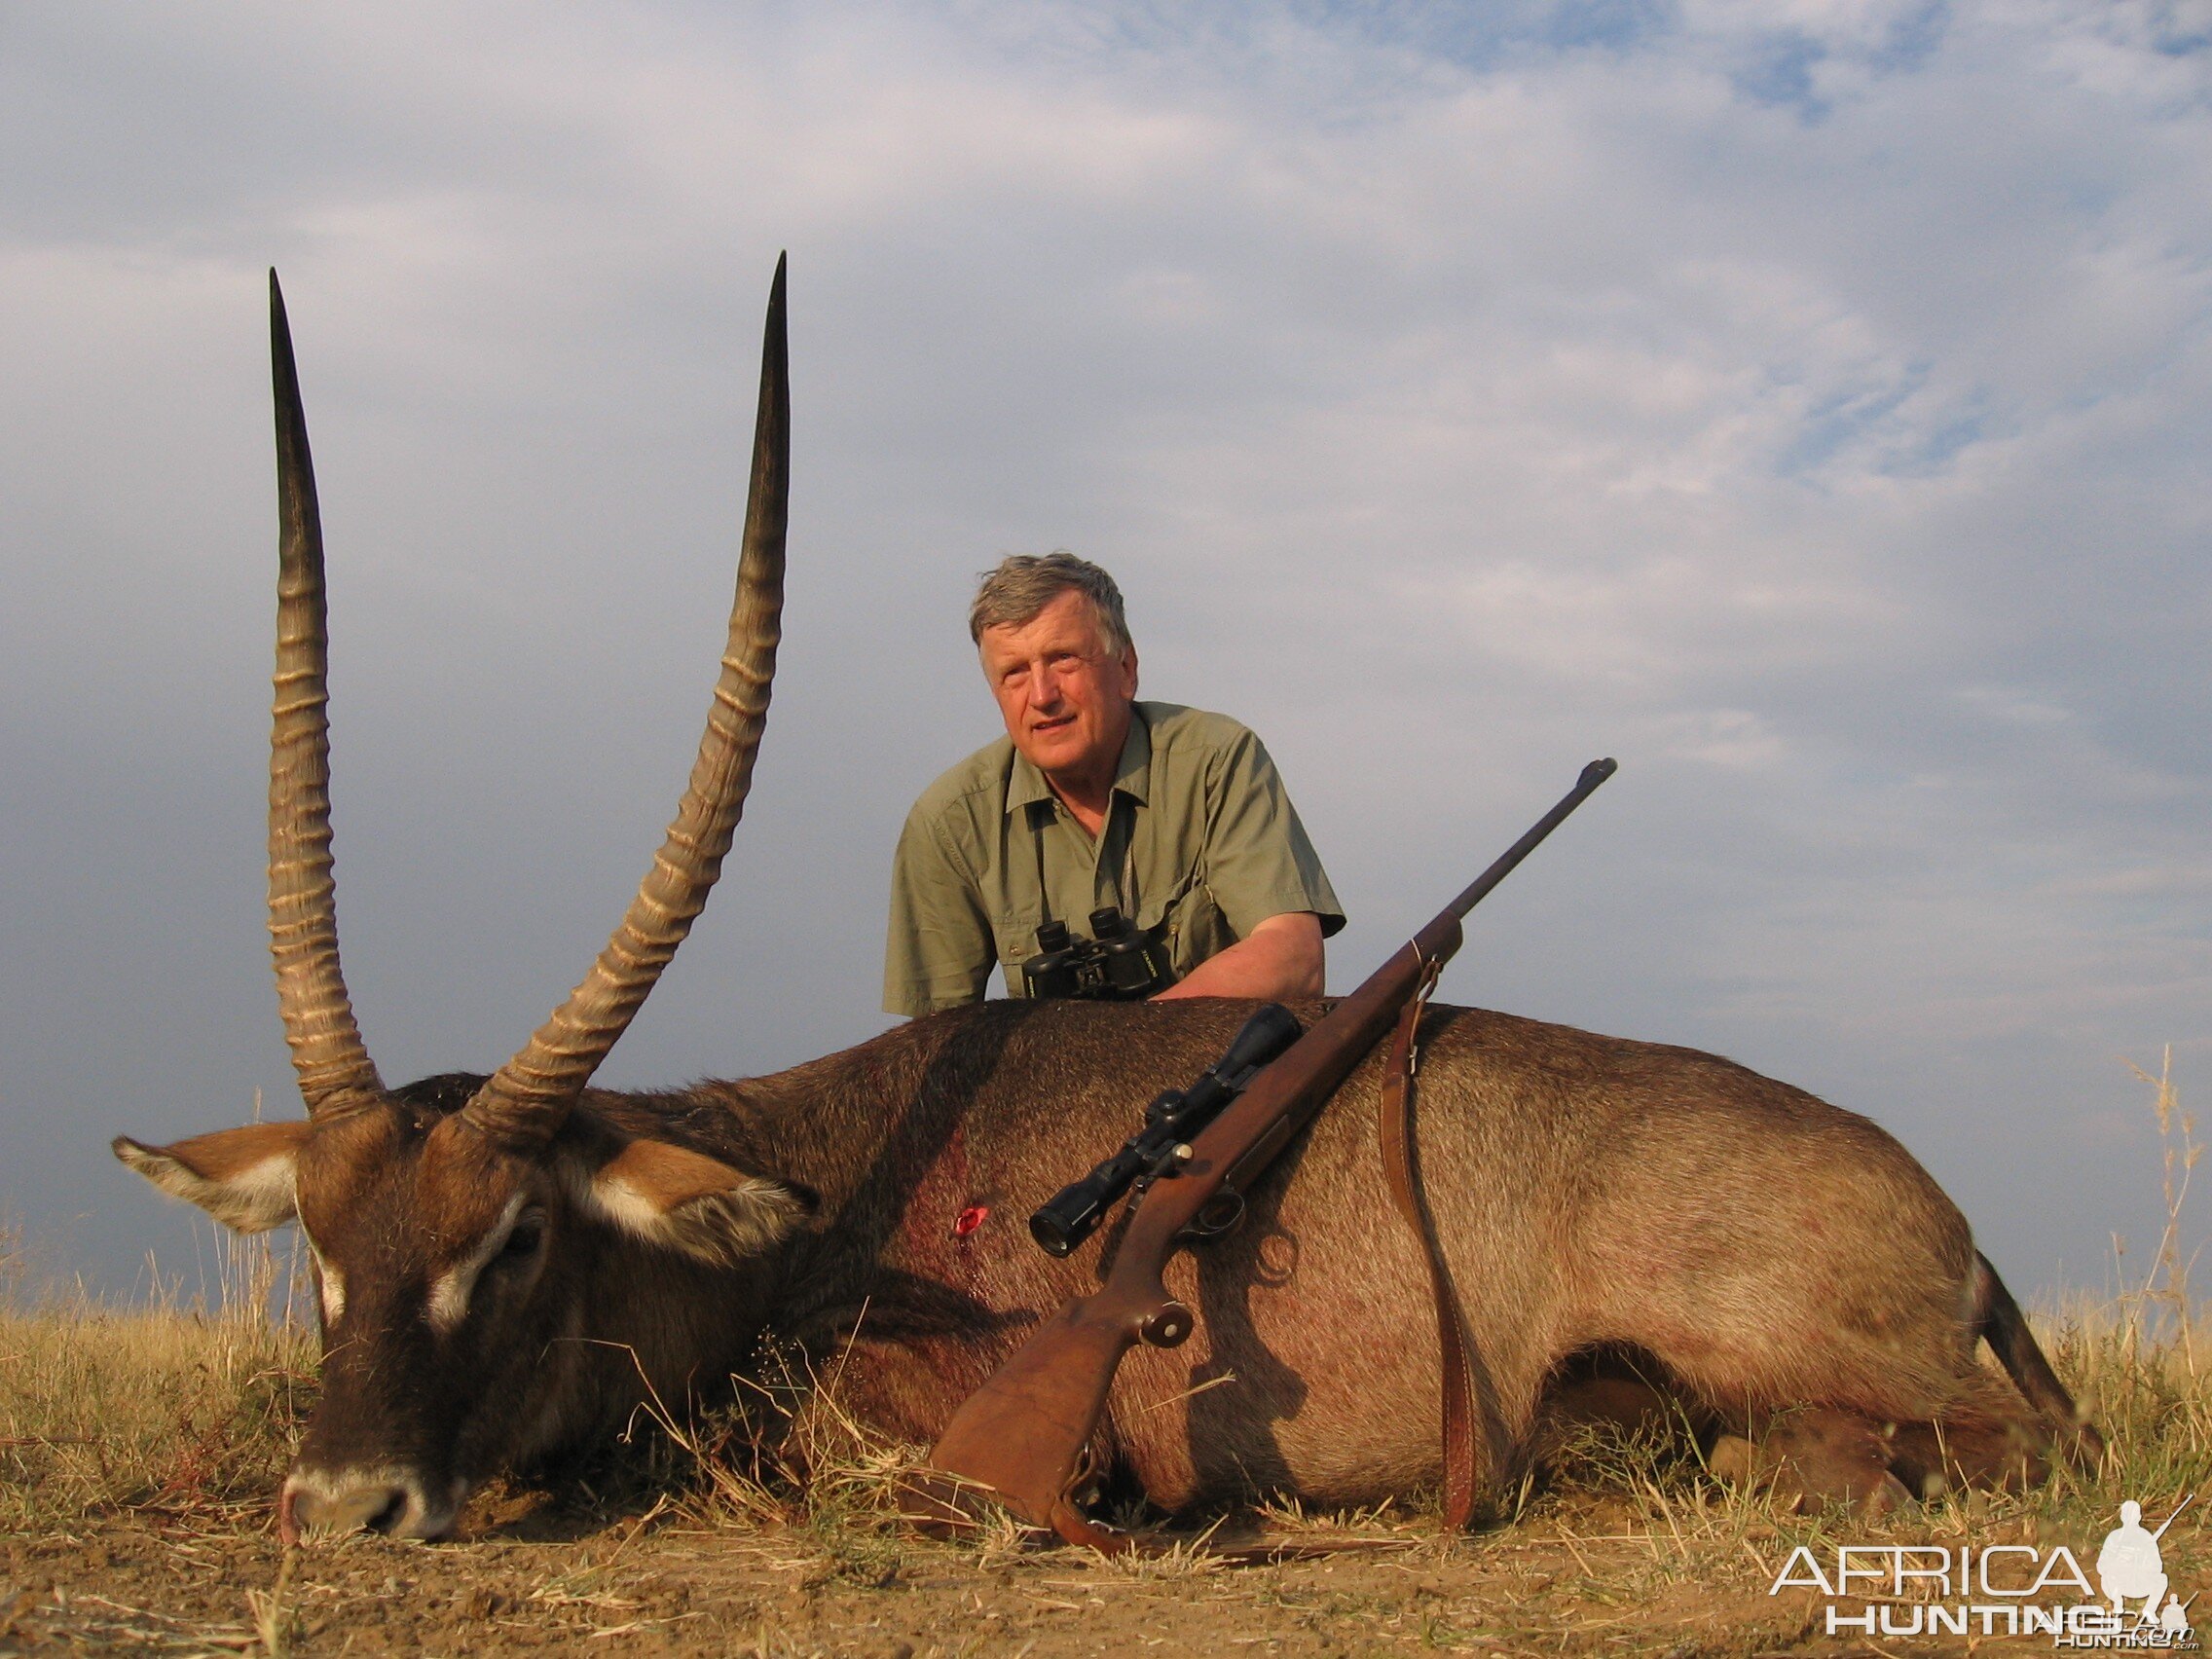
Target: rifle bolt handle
(1168,1326)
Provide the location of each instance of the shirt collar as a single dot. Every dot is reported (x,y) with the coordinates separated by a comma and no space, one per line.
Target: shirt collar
(1025,786)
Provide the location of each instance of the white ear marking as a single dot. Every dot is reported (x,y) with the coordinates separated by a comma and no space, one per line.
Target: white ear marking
(618,1201)
(683,1201)
(253,1198)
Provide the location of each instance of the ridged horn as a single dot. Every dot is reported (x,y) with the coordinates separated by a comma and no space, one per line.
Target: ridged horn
(526,1102)
(333,1064)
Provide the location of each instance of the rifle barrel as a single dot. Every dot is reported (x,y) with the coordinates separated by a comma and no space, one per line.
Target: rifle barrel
(1594,774)
(2171,1520)
(1302,1079)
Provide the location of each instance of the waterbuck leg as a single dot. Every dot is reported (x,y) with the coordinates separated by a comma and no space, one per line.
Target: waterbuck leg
(1811,1458)
(1614,1395)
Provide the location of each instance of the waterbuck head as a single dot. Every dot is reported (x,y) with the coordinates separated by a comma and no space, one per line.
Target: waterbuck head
(453,1223)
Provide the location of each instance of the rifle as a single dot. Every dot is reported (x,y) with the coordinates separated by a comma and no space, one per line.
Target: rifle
(1023,1436)
(2170,1521)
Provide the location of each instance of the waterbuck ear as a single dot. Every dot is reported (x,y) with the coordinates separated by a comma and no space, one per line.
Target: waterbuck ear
(688,1201)
(242,1177)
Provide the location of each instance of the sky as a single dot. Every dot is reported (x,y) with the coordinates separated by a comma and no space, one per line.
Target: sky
(1805,401)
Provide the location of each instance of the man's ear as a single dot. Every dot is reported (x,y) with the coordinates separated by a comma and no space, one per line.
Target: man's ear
(242,1177)
(686,1201)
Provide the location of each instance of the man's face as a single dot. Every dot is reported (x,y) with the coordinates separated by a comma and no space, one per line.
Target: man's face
(1065,696)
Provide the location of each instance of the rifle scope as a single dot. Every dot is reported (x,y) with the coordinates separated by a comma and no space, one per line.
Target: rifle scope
(1073,1213)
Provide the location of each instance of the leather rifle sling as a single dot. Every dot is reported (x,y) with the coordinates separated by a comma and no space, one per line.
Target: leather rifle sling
(1395,1124)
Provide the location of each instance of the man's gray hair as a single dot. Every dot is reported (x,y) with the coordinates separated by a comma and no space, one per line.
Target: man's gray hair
(1024,583)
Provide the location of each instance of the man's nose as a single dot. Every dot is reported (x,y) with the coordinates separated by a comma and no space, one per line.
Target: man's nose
(1044,687)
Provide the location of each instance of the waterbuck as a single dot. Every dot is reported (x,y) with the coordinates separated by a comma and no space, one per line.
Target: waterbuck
(506,1264)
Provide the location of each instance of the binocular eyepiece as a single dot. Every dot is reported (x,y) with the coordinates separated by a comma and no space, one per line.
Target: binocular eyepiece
(1118,963)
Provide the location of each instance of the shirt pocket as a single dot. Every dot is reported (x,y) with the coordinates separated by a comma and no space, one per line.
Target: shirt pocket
(1195,928)
(1152,912)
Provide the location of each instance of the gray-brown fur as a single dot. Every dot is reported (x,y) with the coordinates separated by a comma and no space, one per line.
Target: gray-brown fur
(1769,1251)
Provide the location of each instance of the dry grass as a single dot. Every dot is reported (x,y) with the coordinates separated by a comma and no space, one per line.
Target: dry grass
(171,1409)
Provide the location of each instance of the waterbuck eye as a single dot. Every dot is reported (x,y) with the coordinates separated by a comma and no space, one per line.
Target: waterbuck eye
(523,1241)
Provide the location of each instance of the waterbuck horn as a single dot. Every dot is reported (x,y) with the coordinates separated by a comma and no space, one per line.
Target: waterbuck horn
(327,1052)
(525,1103)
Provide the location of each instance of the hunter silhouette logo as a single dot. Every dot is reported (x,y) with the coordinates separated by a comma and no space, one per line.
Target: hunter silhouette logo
(2005,1590)
(2130,1568)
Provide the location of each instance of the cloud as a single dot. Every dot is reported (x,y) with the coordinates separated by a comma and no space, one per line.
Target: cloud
(1806,402)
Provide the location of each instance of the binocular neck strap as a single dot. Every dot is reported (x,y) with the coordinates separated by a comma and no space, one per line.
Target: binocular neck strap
(1037,823)
(1041,813)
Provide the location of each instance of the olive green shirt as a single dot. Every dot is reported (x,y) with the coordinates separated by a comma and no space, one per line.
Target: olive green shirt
(1199,835)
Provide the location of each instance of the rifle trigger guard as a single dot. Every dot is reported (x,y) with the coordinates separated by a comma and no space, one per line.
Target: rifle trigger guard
(1167,1326)
(1222,1213)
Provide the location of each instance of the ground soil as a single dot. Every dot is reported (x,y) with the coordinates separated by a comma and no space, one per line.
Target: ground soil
(1584,1575)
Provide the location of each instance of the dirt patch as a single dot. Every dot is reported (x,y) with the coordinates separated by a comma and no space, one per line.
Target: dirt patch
(682,1589)
(1585,1576)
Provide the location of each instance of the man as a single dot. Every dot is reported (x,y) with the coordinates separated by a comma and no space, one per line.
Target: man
(1173,816)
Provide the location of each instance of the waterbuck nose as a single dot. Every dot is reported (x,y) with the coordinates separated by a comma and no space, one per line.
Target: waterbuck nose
(347,1502)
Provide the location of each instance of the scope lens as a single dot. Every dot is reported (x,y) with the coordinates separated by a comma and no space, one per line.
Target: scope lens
(1051,1234)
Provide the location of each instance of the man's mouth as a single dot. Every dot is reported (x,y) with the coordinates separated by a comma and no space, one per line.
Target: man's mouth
(1053,724)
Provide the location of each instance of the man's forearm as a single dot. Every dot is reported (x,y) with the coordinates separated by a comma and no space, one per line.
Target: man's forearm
(1282,957)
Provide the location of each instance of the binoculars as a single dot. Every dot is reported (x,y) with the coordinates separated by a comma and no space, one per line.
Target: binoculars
(1118,963)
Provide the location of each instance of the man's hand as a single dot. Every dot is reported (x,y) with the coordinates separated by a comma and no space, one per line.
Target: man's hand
(1282,957)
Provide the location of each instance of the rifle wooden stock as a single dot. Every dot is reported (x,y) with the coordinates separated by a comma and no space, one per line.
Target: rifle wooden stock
(1023,1435)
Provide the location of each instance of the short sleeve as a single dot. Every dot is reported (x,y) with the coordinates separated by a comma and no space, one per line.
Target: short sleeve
(1258,860)
(938,951)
